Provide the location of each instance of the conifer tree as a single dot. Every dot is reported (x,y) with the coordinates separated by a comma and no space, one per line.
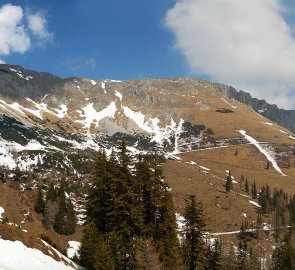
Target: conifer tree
(40,203)
(146,195)
(103,257)
(214,256)
(193,232)
(254,190)
(88,246)
(229,183)
(51,193)
(246,186)
(242,180)
(242,254)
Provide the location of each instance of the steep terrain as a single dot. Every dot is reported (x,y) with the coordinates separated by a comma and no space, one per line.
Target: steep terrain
(50,126)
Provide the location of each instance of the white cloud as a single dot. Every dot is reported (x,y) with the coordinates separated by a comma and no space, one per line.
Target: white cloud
(15,33)
(2,62)
(37,23)
(14,37)
(247,44)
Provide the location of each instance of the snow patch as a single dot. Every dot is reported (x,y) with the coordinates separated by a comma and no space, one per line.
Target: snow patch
(73,249)
(267,153)
(93,82)
(14,255)
(267,123)
(204,168)
(103,86)
(234,107)
(255,203)
(91,115)
(62,112)
(282,131)
(119,95)
(1,211)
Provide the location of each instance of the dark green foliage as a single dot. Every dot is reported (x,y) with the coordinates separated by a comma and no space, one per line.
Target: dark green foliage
(223,110)
(124,207)
(65,219)
(194,246)
(283,257)
(190,129)
(242,254)
(214,256)
(247,186)
(254,190)
(51,193)
(95,252)
(40,203)
(265,199)
(229,183)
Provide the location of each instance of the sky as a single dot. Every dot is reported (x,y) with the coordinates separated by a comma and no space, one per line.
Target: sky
(247,44)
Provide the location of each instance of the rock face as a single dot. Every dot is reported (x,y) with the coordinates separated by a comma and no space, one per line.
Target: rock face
(44,117)
(16,82)
(285,118)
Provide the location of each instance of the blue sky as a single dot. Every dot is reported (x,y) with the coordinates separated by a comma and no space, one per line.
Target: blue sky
(247,44)
(104,39)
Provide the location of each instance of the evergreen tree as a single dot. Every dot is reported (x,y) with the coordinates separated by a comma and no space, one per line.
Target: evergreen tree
(65,219)
(103,257)
(242,254)
(40,203)
(246,186)
(242,180)
(146,195)
(193,231)
(254,190)
(51,193)
(165,234)
(88,246)
(229,183)
(214,256)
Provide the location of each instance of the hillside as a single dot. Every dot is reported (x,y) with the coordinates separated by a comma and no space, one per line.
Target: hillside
(52,128)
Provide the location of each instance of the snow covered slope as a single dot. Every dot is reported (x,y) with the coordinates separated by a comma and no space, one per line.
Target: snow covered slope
(14,255)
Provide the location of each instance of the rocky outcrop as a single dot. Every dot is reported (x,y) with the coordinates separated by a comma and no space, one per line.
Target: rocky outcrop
(285,118)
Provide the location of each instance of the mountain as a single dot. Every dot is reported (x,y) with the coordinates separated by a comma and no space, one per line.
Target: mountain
(285,118)
(51,129)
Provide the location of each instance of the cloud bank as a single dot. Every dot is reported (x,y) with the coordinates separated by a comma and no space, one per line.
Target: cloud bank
(18,29)
(247,44)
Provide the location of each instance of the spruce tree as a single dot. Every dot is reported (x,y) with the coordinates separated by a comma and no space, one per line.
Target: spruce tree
(40,203)
(88,246)
(246,186)
(229,183)
(103,257)
(214,256)
(51,193)
(194,248)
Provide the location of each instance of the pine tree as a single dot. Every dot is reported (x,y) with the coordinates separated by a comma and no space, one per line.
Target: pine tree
(65,219)
(242,254)
(246,186)
(242,180)
(51,193)
(40,203)
(88,246)
(214,256)
(229,183)
(194,248)
(164,232)
(103,258)
(146,195)
(254,190)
